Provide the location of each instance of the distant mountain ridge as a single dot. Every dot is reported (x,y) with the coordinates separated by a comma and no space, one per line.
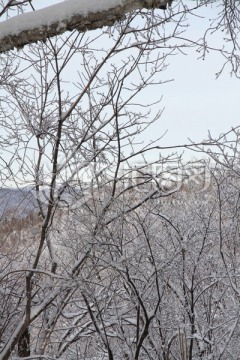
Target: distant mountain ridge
(20,202)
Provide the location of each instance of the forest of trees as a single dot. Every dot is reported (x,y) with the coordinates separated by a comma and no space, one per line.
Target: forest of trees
(108,256)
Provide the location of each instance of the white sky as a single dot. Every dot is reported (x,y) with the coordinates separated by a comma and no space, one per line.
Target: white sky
(196,102)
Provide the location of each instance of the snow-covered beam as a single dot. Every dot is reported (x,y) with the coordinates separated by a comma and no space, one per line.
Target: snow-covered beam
(54,20)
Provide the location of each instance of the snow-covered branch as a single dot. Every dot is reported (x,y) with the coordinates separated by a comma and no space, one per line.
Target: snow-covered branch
(67,16)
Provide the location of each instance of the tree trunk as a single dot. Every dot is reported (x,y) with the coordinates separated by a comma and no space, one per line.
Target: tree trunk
(24,344)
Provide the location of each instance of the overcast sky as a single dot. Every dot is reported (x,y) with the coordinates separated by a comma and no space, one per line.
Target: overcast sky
(196,102)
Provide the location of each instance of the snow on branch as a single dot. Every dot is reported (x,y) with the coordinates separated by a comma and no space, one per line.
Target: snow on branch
(71,15)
